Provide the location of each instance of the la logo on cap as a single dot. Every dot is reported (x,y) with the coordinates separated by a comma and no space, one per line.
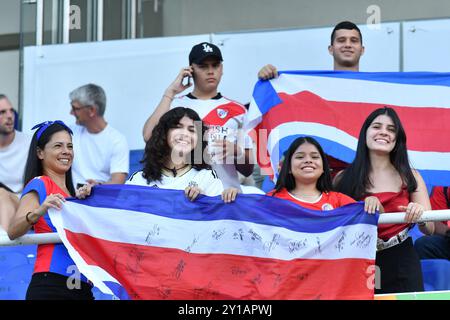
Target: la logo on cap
(207,48)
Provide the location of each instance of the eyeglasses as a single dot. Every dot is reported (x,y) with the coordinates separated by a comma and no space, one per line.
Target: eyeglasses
(75,109)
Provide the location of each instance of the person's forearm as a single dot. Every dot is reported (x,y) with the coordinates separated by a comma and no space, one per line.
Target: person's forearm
(117,178)
(161,109)
(22,223)
(440,228)
(428,228)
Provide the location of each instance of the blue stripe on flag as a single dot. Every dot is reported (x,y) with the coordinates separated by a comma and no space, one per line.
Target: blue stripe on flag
(412,78)
(254,208)
(435,177)
(117,290)
(265,96)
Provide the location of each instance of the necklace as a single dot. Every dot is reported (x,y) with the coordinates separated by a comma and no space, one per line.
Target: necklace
(174,170)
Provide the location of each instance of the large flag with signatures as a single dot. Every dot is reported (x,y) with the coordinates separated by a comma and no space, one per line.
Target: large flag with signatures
(331,106)
(147,243)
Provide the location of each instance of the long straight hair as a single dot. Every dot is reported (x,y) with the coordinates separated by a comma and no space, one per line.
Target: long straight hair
(355,180)
(287,180)
(34,168)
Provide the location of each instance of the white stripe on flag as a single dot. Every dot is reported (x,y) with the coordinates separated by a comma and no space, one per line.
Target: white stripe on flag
(350,90)
(92,273)
(419,159)
(220,236)
(252,116)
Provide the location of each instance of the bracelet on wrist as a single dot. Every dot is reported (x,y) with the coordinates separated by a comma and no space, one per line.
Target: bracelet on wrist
(421,224)
(28,219)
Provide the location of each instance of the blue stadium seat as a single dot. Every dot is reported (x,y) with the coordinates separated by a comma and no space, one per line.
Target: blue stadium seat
(267,185)
(16,268)
(26,250)
(10,260)
(436,274)
(13,290)
(16,120)
(415,233)
(21,273)
(135,158)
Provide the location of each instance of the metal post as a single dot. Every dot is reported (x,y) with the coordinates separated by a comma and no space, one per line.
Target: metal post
(89,18)
(99,20)
(132,20)
(27,239)
(401,51)
(55,4)
(39,22)
(66,21)
(139,20)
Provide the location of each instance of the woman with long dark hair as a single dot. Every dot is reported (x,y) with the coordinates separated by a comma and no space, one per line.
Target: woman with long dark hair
(48,181)
(174,158)
(381,174)
(305,177)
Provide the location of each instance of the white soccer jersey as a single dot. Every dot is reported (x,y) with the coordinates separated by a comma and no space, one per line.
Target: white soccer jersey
(223,116)
(205,179)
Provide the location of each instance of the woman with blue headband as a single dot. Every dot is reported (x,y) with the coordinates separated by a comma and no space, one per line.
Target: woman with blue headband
(48,180)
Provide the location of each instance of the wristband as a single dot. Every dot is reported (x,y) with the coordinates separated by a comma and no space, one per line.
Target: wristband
(28,220)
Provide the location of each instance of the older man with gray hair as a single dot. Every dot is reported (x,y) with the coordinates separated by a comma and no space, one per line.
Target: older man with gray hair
(101,152)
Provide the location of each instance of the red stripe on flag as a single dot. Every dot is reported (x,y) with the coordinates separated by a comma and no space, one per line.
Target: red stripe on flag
(425,127)
(148,272)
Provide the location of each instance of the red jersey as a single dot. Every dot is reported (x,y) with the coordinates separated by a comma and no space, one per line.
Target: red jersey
(327,201)
(52,257)
(391,201)
(439,201)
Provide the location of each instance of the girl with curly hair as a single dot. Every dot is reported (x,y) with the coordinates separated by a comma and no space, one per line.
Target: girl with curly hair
(174,158)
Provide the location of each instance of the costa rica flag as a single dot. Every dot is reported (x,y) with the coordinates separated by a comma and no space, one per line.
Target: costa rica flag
(147,243)
(331,106)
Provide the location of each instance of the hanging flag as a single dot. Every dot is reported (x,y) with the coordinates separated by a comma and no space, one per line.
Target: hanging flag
(148,243)
(331,106)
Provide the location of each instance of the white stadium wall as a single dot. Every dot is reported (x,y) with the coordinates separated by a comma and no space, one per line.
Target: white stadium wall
(135,73)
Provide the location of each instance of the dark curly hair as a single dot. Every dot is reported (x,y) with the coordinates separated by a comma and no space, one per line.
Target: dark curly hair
(157,149)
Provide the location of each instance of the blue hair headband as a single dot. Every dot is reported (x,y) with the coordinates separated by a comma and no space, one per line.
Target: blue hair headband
(44,125)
